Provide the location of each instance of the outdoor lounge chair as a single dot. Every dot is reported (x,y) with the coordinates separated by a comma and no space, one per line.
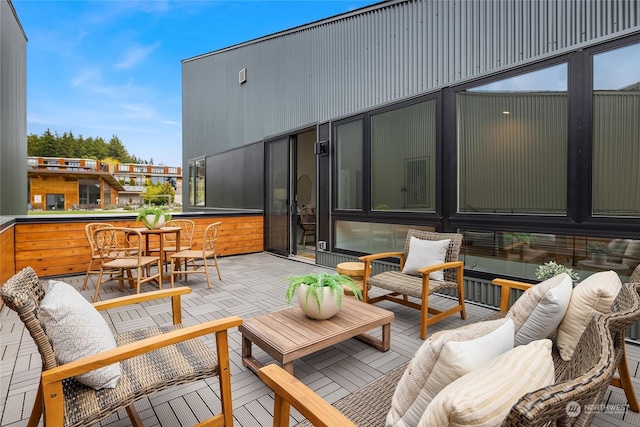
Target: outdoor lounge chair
(583,381)
(417,279)
(151,360)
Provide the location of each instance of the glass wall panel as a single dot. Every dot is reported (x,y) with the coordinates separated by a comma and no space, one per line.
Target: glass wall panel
(200,180)
(369,237)
(349,165)
(512,144)
(504,253)
(403,161)
(616,132)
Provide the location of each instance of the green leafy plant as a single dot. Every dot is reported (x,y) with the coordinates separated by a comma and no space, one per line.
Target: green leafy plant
(598,248)
(155,211)
(552,268)
(315,284)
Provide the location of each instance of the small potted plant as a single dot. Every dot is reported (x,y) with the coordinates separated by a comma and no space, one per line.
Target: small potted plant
(598,252)
(320,295)
(552,268)
(153,216)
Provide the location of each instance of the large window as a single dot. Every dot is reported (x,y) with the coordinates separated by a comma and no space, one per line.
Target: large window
(89,193)
(349,184)
(512,144)
(403,158)
(616,132)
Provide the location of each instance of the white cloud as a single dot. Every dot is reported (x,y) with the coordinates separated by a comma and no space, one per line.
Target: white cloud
(171,122)
(139,111)
(84,76)
(136,54)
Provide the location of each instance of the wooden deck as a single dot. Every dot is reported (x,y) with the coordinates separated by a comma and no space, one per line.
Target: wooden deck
(252,285)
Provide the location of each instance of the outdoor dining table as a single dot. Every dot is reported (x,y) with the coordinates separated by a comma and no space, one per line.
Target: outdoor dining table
(160,232)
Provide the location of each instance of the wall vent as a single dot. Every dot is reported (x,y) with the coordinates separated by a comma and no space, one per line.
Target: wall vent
(242,76)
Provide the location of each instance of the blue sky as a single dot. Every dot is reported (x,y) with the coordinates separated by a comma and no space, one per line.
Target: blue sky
(103,68)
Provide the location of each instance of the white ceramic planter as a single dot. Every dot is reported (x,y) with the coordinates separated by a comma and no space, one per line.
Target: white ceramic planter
(328,305)
(151,219)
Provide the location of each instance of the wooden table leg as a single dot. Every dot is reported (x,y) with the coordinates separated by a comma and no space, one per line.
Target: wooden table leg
(247,359)
(383,344)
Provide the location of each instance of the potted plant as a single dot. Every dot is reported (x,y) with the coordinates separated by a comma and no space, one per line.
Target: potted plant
(320,295)
(598,252)
(552,268)
(153,216)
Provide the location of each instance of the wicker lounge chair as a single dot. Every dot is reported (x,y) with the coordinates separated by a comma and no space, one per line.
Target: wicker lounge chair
(402,286)
(584,380)
(151,360)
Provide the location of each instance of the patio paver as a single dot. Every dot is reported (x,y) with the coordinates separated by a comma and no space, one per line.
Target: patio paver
(252,284)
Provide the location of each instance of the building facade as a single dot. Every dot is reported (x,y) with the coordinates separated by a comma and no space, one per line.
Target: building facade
(13,112)
(514,123)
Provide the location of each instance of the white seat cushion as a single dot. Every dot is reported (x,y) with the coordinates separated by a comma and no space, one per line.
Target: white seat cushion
(78,330)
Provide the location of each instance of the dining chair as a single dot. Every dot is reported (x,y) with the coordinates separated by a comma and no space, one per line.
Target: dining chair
(186,238)
(307,221)
(208,250)
(121,252)
(89,229)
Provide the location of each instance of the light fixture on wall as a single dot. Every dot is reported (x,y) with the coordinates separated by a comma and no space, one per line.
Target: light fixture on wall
(242,76)
(506,113)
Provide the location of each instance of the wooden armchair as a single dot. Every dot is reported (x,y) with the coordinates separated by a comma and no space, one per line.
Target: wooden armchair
(582,380)
(402,286)
(151,360)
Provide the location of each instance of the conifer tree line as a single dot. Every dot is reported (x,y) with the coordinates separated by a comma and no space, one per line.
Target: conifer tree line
(71,146)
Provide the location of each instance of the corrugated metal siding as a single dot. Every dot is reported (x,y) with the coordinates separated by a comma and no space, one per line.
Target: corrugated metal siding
(385,53)
(13,113)
(477,291)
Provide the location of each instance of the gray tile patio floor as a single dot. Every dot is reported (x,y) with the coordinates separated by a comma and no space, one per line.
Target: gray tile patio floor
(252,285)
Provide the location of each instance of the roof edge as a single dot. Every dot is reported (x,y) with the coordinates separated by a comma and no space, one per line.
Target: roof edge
(381,5)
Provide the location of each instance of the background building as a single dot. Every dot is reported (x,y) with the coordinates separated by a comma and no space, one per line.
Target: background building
(57,183)
(515,123)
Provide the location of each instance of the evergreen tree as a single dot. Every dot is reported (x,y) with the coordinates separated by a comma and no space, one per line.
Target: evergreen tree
(67,145)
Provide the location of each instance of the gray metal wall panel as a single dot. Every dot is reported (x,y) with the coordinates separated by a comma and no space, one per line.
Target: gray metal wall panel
(381,54)
(13,113)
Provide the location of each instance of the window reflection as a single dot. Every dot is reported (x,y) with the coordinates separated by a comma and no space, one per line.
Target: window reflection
(403,158)
(616,132)
(512,143)
(518,254)
(368,237)
(349,165)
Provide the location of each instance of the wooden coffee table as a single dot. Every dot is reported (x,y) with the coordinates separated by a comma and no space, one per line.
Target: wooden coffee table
(287,335)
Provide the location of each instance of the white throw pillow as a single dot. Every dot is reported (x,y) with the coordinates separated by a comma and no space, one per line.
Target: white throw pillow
(425,253)
(540,309)
(592,296)
(78,330)
(441,359)
(484,396)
